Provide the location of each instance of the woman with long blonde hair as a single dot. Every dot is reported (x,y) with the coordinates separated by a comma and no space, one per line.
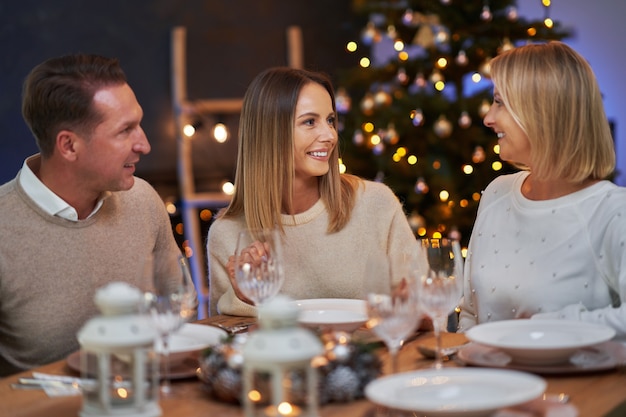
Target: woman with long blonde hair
(287,177)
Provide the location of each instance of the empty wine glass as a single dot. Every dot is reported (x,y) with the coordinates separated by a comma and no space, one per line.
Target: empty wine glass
(391,299)
(172,302)
(259,269)
(440,284)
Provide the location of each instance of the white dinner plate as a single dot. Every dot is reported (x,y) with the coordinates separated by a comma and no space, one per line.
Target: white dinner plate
(539,342)
(600,357)
(339,314)
(190,340)
(455,392)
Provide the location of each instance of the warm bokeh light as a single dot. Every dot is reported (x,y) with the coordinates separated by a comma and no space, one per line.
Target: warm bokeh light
(364,62)
(170,207)
(496,166)
(403,56)
(440,85)
(368,127)
(206,215)
(220,132)
(548,22)
(476,77)
(228,188)
(254,395)
(468,169)
(189,130)
(464,203)
(496,149)
(351,46)
(342,167)
(398,45)
(531,31)
(375,140)
(476,196)
(444,195)
(442,62)
(412,160)
(285,409)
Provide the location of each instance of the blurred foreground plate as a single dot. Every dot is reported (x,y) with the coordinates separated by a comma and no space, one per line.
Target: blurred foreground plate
(455,392)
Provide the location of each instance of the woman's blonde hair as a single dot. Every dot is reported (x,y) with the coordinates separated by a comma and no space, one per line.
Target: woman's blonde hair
(552,93)
(265,168)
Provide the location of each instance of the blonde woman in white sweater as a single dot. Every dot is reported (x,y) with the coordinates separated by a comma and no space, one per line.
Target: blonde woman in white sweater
(288,177)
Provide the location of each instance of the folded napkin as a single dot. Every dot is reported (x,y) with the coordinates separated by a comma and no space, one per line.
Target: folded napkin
(59,385)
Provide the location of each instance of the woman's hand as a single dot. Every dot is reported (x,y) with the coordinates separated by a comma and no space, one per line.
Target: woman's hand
(254,254)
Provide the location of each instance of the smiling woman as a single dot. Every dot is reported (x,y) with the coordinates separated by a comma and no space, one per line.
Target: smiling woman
(288,177)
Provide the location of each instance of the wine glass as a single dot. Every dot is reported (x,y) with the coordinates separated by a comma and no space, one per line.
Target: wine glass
(171,303)
(440,283)
(391,299)
(259,267)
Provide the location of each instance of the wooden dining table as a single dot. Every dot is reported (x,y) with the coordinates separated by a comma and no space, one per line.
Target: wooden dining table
(594,394)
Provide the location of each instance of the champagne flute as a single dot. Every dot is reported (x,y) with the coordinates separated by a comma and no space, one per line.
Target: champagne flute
(259,267)
(440,283)
(391,299)
(172,303)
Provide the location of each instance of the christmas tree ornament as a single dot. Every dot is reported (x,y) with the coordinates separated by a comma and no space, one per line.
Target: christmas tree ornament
(367,104)
(465,120)
(478,155)
(417,117)
(424,37)
(343,101)
(370,34)
(408,18)
(382,99)
(420,186)
(486,14)
(436,76)
(434,30)
(402,76)
(484,108)
(420,80)
(461,58)
(506,45)
(443,127)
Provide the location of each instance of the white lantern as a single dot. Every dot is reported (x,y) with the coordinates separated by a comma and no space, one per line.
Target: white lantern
(275,353)
(117,357)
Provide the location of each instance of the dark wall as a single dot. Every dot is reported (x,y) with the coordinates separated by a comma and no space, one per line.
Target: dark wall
(228,43)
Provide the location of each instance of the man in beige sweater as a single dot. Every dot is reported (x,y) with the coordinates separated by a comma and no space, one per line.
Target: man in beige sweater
(75,217)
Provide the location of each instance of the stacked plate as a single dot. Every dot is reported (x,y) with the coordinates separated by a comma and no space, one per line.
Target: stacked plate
(542,345)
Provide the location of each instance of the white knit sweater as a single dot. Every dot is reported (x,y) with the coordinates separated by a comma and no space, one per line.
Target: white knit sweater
(559,258)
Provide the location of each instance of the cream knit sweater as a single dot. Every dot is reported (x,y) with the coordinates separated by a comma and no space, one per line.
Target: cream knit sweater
(50,267)
(317,264)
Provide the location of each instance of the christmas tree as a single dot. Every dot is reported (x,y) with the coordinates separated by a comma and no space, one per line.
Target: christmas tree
(411,112)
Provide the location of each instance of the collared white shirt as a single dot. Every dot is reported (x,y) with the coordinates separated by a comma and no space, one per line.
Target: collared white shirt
(45,198)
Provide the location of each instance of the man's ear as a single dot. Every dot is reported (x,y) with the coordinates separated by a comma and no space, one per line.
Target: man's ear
(67,144)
